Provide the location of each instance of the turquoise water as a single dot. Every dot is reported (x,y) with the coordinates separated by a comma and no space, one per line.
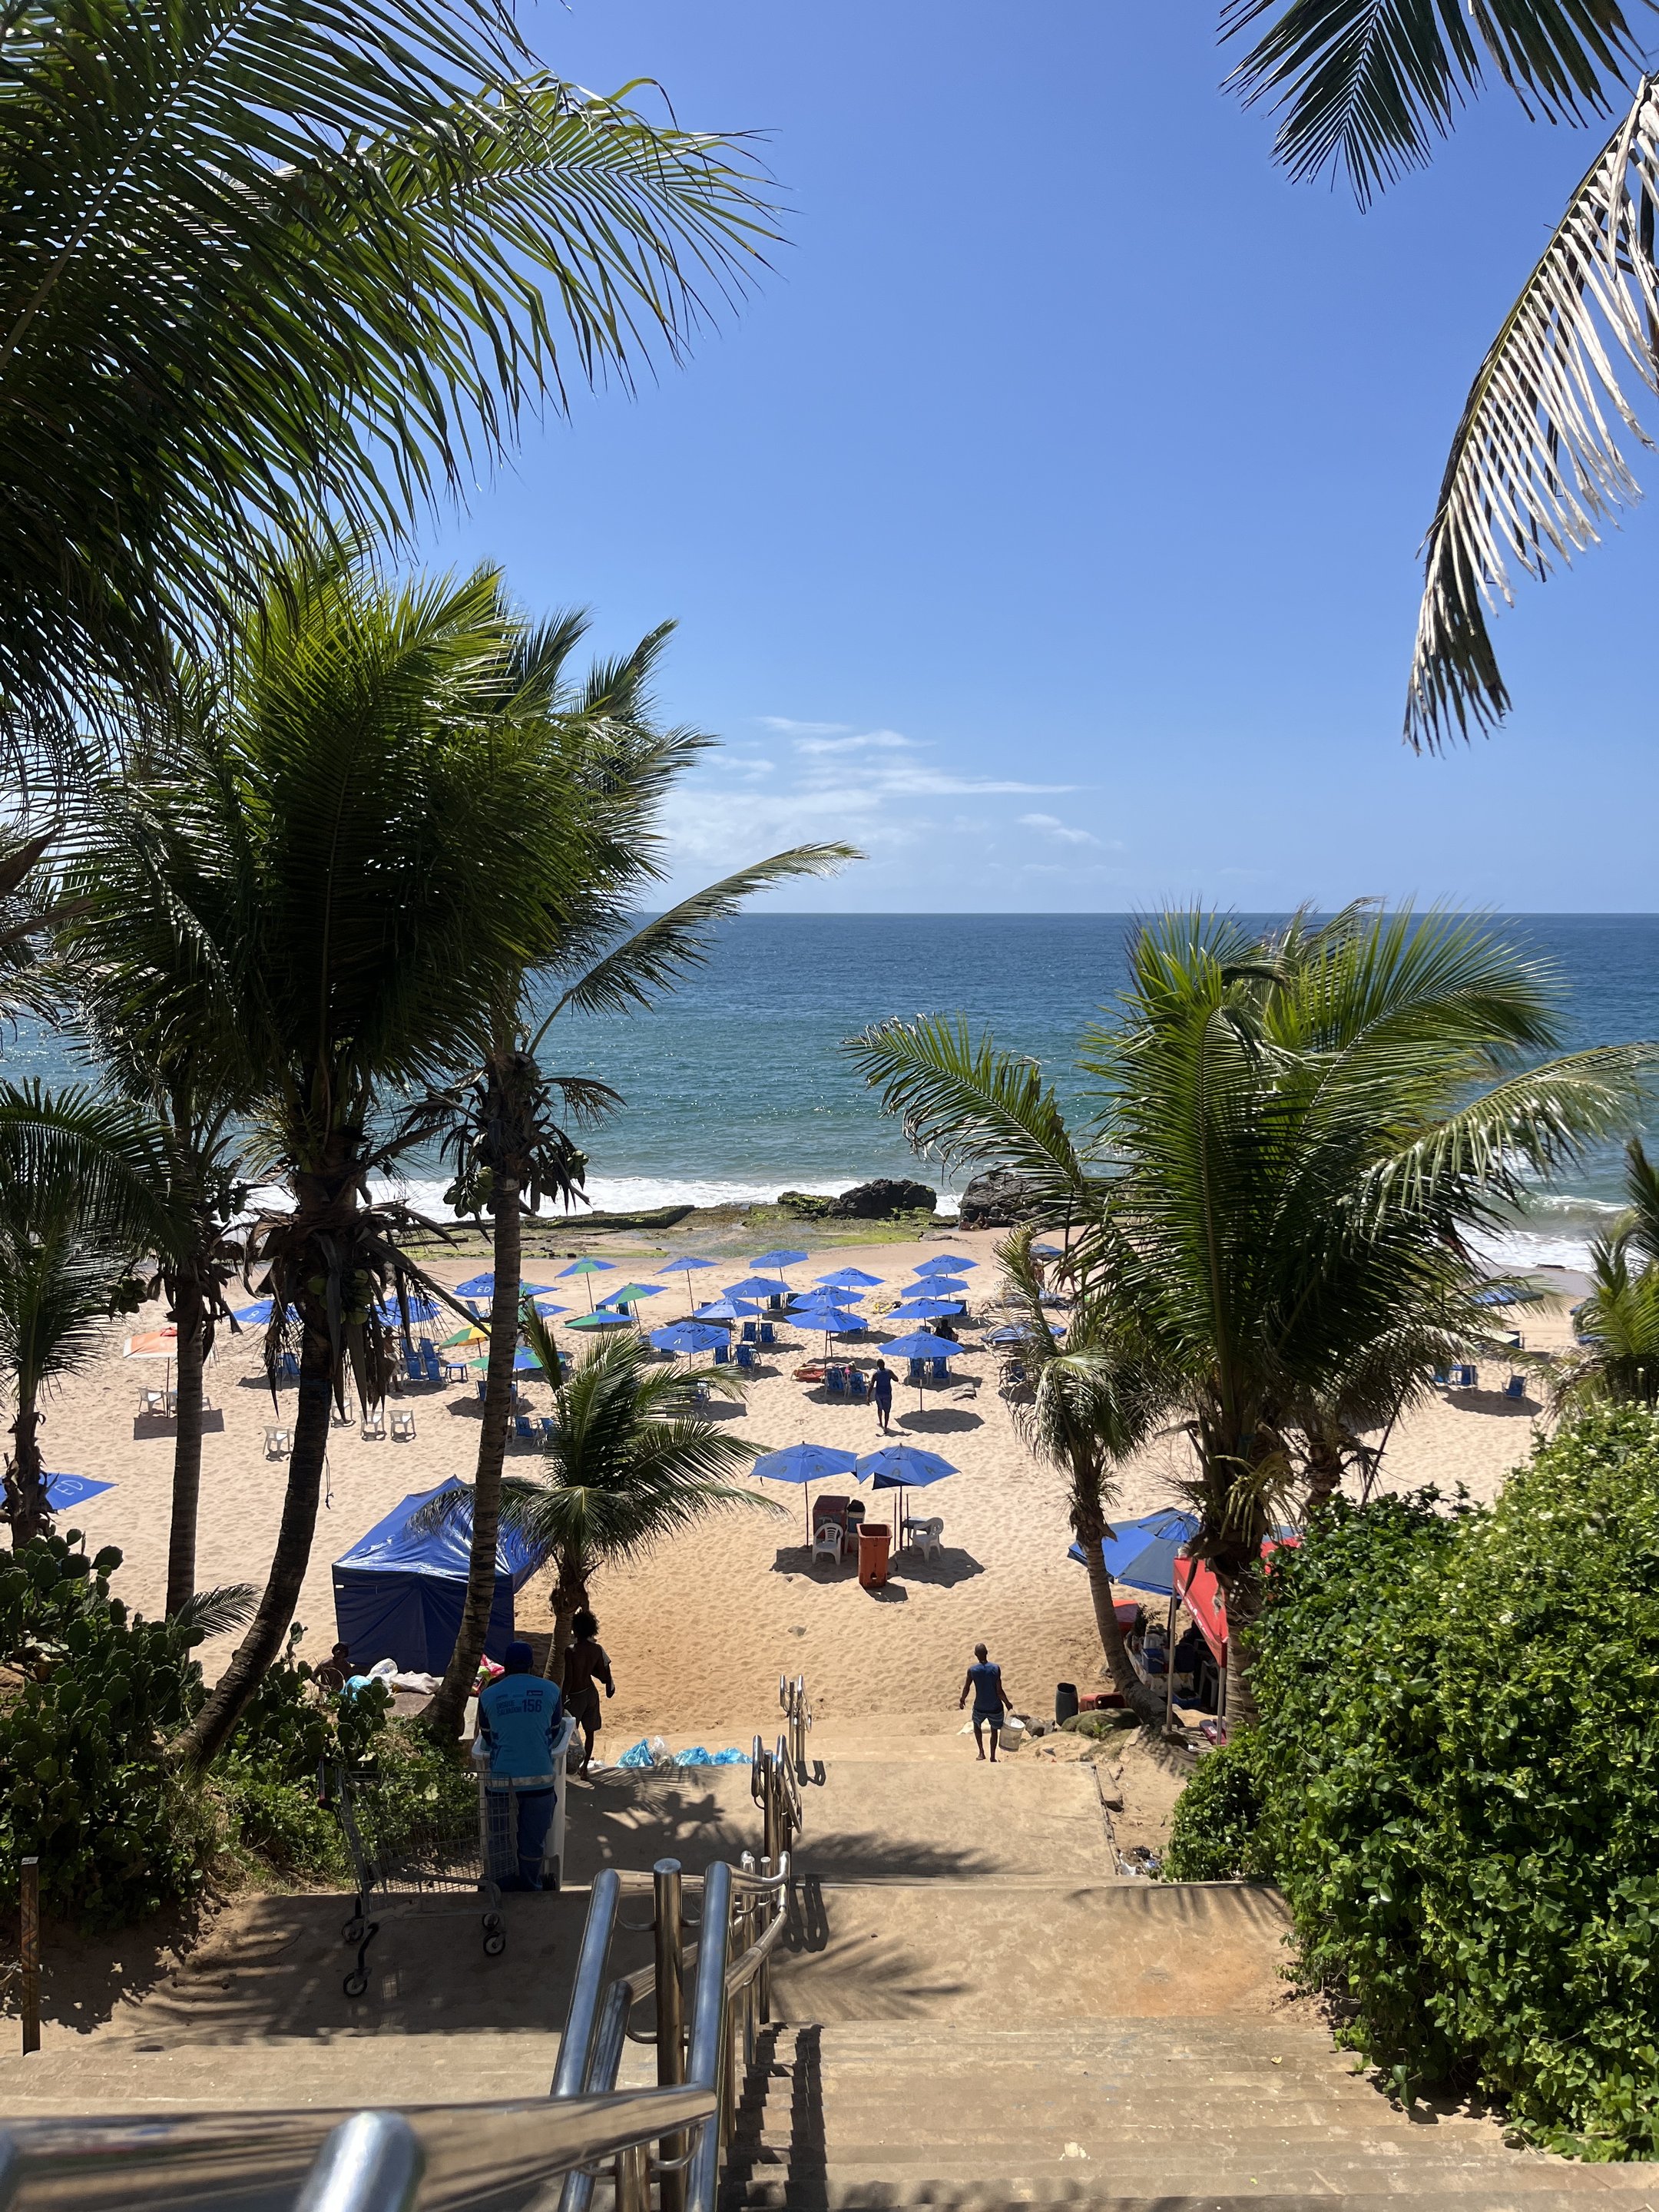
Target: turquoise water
(737,1086)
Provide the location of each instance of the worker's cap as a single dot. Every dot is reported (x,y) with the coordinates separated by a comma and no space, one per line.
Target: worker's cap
(519,1659)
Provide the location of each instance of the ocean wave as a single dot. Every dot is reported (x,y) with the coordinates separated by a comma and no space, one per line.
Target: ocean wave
(630,1194)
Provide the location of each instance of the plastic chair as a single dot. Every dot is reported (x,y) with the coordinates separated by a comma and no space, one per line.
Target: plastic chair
(483,1387)
(374,1423)
(290,1370)
(835,1381)
(722,1355)
(153,1402)
(826,1543)
(1466,1377)
(745,1355)
(413,1370)
(429,1366)
(279,1443)
(403,1426)
(1515,1386)
(917,1368)
(748,1332)
(767,1334)
(924,1536)
(855,1384)
(525,1427)
(544,1428)
(941,1372)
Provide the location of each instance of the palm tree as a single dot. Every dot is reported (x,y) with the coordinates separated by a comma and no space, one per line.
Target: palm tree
(1097,1395)
(1293,1139)
(1535,468)
(507,1123)
(295,879)
(291,266)
(1618,1357)
(632,1460)
(81,1198)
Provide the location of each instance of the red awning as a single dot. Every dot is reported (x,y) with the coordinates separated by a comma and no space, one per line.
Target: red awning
(1198,1590)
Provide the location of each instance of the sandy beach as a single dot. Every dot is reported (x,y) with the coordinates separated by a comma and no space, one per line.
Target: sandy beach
(700,1631)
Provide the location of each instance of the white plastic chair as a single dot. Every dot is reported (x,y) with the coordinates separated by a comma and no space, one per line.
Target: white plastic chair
(279,1443)
(925,1536)
(826,1543)
(154,1402)
(374,1423)
(403,1424)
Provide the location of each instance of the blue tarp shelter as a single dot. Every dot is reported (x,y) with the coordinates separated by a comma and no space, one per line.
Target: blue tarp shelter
(398,1591)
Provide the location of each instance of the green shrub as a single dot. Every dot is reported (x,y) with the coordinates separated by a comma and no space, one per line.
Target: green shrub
(1458,1771)
(1214,1835)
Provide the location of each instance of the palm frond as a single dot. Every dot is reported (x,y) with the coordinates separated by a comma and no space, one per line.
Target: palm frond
(1536,467)
(1366,86)
(963,1102)
(215,1612)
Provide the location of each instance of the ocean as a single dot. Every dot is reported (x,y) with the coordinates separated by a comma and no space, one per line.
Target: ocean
(737,1087)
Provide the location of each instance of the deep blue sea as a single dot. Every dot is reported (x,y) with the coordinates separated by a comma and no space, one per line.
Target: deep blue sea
(737,1086)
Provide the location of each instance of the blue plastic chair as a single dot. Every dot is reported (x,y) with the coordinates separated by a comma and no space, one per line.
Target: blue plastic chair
(767,1334)
(1466,1378)
(834,1381)
(722,1355)
(413,1370)
(745,1355)
(748,1332)
(290,1368)
(917,1368)
(941,1372)
(1443,1376)
(484,1385)
(854,1383)
(545,1427)
(525,1427)
(429,1360)
(1515,1386)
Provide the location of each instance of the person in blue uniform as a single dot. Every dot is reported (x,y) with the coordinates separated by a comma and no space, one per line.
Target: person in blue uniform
(984,1680)
(519,1716)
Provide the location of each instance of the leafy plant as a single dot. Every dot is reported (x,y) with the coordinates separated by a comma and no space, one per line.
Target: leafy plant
(1215,1836)
(1457,1768)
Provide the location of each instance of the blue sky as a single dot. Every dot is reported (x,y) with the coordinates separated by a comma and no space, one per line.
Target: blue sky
(1046,522)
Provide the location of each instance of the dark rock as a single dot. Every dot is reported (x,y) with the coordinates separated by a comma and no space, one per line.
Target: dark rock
(806,1205)
(1001,1199)
(877,1201)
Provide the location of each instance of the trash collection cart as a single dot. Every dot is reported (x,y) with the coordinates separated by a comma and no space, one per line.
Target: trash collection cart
(399,1849)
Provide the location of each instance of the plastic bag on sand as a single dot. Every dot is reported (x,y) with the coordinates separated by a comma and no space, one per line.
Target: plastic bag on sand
(383,1670)
(696,1756)
(637,1755)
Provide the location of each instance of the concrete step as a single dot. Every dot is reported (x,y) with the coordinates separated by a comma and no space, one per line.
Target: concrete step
(975,2194)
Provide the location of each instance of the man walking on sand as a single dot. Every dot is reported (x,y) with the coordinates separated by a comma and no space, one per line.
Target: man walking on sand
(881,1389)
(984,1679)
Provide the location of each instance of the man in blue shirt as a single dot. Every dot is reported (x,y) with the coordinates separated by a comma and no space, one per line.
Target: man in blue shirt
(984,1679)
(519,1716)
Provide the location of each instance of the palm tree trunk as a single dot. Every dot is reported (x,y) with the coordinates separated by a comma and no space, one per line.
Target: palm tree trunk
(1241,1591)
(258,1649)
(26,1485)
(1089,1521)
(189,1314)
(570,1598)
(443,1715)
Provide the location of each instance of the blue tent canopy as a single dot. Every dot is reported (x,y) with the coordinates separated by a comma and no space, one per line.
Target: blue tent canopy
(399,1590)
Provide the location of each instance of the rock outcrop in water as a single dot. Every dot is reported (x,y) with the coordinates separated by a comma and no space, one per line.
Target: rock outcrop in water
(999,1198)
(867,1201)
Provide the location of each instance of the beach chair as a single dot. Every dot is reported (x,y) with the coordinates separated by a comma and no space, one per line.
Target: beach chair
(826,1543)
(341,1415)
(153,1402)
(413,1370)
(373,1425)
(279,1443)
(1466,1377)
(473,1308)
(524,1427)
(403,1426)
(544,1428)
(925,1536)
(830,1512)
(941,1371)
(855,1384)
(767,1334)
(918,1369)
(745,1355)
(722,1355)
(748,1332)
(289,1369)
(835,1381)
(429,1367)
(1442,1377)
(1515,1386)
(854,1521)
(484,1387)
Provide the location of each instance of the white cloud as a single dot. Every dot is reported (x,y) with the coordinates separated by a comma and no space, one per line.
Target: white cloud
(1051,826)
(868,741)
(785,728)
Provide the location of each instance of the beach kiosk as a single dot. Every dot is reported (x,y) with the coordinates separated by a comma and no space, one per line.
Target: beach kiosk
(399,1590)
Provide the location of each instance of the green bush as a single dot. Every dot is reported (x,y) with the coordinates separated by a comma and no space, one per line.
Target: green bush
(1214,1835)
(1457,1767)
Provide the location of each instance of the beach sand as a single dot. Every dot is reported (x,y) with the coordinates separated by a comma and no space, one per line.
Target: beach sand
(700,1631)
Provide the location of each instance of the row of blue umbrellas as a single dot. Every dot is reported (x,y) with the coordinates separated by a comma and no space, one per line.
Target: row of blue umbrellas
(894,1467)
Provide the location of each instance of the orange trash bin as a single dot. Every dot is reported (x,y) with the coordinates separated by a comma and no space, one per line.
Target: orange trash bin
(874,1538)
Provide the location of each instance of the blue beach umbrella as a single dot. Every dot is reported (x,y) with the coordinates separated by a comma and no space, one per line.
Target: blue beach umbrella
(1143,1552)
(420,1308)
(936,1286)
(759,1287)
(946,1263)
(547,1309)
(685,1266)
(259,1310)
(525,1362)
(834,1320)
(587,1267)
(849,1279)
(688,1337)
(777,1260)
(725,1310)
(924,1310)
(901,1467)
(805,1464)
(923,1344)
(483,1287)
(64,1491)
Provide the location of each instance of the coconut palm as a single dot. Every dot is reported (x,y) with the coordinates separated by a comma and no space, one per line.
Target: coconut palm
(1617,1354)
(292,265)
(1293,1139)
(632,1460)
(295,878)
(508,1125)
(83,1197)
(1097,1395)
